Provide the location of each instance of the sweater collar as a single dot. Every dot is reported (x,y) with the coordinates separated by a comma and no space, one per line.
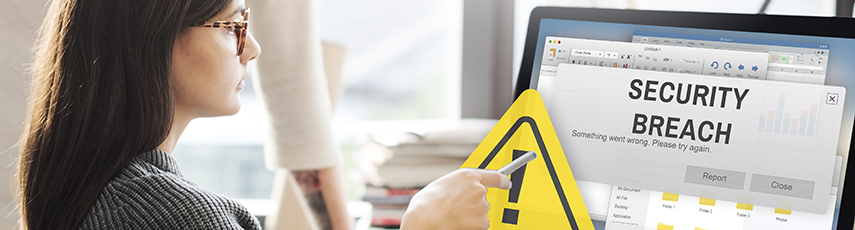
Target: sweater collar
(161,160)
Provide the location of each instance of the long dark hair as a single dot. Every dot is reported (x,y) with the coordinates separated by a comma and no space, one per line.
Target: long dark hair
(101,94)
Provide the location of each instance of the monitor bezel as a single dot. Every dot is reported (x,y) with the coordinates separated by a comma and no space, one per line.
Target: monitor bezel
(762,23)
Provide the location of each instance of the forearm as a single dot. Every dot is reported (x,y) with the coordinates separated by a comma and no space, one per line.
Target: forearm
(324,191)
(333,189)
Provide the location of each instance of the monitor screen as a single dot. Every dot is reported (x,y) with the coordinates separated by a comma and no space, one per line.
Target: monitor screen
(686,128)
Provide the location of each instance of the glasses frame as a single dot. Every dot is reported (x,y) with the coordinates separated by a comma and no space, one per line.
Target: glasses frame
(239,27)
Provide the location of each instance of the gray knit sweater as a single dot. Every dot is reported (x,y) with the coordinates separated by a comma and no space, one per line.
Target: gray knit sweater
(151,193)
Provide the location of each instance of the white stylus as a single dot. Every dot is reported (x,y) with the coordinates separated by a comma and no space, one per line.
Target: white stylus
(519,162)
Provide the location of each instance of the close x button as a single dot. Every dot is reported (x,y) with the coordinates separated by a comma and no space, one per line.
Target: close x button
(832,98)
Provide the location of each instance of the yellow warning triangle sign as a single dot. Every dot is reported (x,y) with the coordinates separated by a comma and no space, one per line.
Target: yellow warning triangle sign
(543,193)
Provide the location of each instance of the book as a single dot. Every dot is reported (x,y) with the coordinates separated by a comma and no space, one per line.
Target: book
(387,217)
(406,176)
(406,154)
(433,149)
(371,191)
(425,160)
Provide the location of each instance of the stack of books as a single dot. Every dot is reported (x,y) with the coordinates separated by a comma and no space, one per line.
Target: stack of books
(399,161)
(389,204)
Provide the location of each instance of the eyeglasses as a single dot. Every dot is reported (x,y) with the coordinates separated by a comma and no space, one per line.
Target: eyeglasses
(239,28)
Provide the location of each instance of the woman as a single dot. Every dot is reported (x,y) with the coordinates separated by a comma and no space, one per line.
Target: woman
(115,82)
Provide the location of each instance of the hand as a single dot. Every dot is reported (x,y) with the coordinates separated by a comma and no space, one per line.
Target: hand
(454,201)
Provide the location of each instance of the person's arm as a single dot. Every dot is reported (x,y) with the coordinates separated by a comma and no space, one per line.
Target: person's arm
(454,201)
(324,191)
(291,83)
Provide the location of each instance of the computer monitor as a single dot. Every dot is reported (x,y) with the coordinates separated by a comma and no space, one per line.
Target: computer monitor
(677,120)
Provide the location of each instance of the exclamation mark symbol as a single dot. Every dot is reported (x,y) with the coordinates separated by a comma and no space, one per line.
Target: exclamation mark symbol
(510,216)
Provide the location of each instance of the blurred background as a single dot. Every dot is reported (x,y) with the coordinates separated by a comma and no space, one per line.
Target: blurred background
(411,67)
(406,60)
(410,63)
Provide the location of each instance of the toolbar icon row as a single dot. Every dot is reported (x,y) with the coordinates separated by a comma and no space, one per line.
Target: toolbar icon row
(728,66)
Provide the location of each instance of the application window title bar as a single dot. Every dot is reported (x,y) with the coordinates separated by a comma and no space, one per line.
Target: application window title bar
(732,39)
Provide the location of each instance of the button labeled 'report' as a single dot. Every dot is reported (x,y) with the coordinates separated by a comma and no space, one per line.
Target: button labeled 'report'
(715,177)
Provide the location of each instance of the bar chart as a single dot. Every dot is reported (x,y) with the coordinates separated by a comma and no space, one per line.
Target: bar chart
(790,121)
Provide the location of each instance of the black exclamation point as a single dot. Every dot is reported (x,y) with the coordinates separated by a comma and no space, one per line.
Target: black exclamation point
(510,216)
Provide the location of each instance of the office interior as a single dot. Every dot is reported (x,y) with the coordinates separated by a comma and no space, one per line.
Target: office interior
(396,70)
